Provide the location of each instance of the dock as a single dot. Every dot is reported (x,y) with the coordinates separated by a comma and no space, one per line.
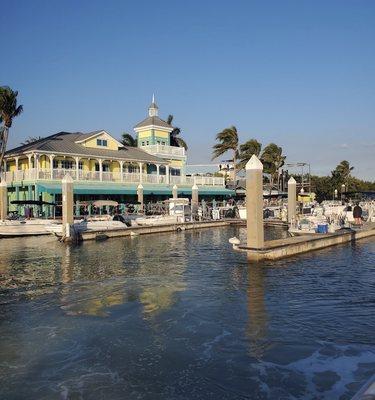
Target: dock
(280,248)
(144,230)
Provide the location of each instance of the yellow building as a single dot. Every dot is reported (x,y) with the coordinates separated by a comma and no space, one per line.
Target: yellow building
(103,168)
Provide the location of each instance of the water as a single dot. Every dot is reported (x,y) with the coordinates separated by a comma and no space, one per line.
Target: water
(182,316)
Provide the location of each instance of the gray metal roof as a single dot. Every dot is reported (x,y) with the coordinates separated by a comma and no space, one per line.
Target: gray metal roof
(64,142)
(154,121)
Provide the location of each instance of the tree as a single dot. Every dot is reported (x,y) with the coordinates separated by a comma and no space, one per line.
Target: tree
(128,140)
(8,110)
(247,149)
(228,139)
(273,159)
(174,136)
(31,139)
(341,174)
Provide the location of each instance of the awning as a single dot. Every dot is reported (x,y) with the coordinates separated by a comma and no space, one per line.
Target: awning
(132,189)
(89,189)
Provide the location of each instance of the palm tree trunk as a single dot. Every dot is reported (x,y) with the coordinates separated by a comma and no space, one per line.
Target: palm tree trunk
(3,145)
(234,169)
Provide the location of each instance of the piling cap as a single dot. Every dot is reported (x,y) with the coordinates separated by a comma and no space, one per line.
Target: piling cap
(292,181)
(140,186)
(195,187)
(67,179)
(175,187)
(254,163)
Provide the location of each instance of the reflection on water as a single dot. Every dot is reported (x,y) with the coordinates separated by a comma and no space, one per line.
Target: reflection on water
(182,316)
(257,325)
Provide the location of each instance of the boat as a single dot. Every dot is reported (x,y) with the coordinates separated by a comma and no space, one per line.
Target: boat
(33,227)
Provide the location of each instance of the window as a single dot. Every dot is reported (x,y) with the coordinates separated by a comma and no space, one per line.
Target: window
(80,165)
(65,164)
(97,167)
(102,142)
(55,164)
(147,142)
(143,143)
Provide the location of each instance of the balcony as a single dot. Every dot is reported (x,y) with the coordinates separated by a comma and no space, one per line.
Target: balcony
(164,150)
(125,177)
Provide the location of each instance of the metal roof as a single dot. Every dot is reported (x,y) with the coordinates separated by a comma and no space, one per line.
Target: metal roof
(153,121)
(65,143)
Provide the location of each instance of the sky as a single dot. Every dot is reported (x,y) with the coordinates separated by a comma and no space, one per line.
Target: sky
(297,73)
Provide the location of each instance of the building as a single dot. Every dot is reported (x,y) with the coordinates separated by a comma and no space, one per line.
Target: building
(103,168)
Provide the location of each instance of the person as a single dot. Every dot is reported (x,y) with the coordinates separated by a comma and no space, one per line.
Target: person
(357,214)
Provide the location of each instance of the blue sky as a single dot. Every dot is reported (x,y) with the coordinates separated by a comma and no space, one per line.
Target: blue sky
(298,73)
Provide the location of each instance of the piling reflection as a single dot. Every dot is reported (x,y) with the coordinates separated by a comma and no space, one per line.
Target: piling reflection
(257,312)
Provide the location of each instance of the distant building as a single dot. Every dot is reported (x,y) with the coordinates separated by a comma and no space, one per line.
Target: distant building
(226,169)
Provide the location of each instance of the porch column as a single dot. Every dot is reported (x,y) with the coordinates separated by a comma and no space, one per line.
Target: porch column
(157,172)
(3,200)
(51,157)
(36,158)
(77,168)
(28,173)
(167,174)
(140,172)
(16,160)
(121,171)
(100,169)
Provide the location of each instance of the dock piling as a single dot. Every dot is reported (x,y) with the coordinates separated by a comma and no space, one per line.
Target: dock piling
(67,204)
(254,203)
(3,200)
(175,192)
(292,199)
(194,195)
(140,195)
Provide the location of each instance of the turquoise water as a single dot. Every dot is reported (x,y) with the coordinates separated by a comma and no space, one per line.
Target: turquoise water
(182,316)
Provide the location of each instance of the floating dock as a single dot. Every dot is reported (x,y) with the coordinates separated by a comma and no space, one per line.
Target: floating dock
(280,248)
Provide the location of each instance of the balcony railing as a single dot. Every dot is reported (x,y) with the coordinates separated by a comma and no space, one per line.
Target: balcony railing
(104,176)
(163,149)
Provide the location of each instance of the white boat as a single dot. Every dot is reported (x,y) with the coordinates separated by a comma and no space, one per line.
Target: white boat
(33,227)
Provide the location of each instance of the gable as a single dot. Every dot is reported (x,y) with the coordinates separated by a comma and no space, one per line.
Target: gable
(100,140)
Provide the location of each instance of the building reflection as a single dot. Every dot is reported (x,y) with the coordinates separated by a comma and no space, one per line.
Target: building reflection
(257,312)
(135,270)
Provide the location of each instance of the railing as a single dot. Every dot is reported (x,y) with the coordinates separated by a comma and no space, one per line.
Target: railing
(104,176)
(164,149)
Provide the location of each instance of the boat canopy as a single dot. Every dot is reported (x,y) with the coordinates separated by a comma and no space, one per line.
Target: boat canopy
(103,203)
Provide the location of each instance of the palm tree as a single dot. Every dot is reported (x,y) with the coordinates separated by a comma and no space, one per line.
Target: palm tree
(174,136)
(247,149)
(8,110)
(273,159)
(31,139)
(128,140)
(342,173)
(228,139)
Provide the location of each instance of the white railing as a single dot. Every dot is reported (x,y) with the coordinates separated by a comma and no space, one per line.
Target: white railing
(164,149)
(127,177)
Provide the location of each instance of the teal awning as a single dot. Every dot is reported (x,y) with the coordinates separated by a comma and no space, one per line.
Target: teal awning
(80,188)
(89,189)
